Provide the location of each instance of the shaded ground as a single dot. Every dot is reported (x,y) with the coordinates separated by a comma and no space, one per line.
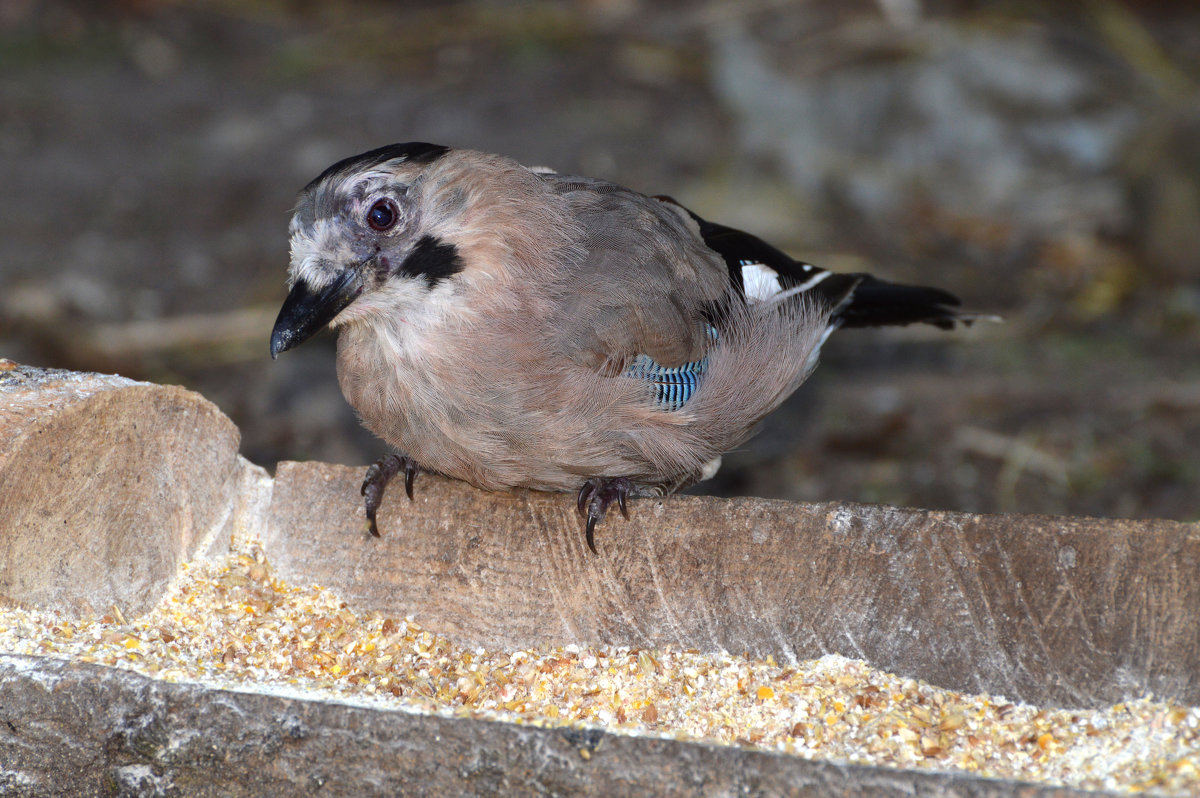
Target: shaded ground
(1044,166)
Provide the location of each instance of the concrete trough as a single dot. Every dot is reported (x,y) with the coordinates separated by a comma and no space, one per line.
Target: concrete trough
(107,486)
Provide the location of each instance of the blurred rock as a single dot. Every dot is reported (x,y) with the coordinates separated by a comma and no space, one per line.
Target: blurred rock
(1164,164)
(1000,123)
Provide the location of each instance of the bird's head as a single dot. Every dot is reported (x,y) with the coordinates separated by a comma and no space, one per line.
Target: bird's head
(361,241)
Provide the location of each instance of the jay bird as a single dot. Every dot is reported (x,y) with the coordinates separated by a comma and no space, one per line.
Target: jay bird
(515,327)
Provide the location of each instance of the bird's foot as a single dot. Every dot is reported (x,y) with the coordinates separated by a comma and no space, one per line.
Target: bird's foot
(594,499)
(379,474)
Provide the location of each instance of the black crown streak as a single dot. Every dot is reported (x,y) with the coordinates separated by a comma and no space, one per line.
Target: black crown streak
(433,259)
(411,151)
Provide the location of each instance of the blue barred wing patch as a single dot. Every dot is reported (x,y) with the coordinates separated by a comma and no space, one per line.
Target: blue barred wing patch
(673,386)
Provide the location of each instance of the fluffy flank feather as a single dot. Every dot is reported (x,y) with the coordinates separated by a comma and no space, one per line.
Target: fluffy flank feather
(778,344)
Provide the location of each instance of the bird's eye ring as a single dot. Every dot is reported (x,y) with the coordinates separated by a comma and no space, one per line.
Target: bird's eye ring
(383,215)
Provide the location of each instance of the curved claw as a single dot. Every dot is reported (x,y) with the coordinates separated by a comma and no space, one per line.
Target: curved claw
(410,476)
(376,480)
(594,499)
(585,494)
(590,535)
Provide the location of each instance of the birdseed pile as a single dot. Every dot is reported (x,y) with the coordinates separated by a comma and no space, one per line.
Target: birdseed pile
(231,623)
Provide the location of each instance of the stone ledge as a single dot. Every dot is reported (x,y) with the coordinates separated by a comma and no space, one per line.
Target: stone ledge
(1053,611)
(107,485)
(157,738)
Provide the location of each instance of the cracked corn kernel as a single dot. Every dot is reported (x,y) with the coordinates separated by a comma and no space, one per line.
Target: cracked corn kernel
(231,623)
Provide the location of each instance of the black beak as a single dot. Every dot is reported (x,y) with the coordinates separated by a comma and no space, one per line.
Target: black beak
(304,313)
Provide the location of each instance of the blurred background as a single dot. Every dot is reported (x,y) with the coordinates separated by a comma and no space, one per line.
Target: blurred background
(1041,160)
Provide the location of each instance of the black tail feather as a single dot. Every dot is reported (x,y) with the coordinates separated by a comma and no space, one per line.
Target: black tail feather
(856,300)
(877,303)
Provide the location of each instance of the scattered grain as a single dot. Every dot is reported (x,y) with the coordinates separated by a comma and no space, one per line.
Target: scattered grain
(233,624)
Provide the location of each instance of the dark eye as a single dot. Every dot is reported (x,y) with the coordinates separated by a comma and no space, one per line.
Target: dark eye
(383,215)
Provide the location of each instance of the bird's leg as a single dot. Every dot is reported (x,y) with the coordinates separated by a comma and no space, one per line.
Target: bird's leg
(594,499)
(377,478)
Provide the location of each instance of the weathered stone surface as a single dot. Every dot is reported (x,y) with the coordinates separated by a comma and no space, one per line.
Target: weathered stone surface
(74,729)
(106,485)
(1059,611)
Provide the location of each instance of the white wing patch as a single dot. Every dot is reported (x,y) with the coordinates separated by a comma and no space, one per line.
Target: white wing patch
(761,282)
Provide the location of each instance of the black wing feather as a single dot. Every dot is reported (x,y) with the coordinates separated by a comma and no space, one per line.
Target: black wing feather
(857,300)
